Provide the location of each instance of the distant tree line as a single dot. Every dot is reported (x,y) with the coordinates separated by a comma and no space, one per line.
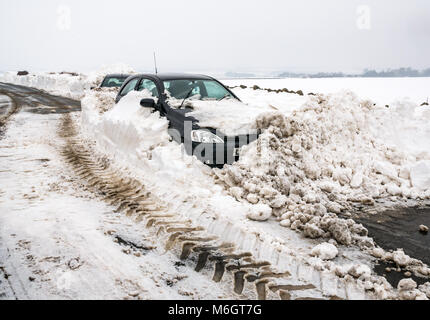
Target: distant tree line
(389,73)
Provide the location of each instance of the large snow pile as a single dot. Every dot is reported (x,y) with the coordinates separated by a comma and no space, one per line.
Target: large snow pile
(302,169)
(138,138)
(138,130)
(68,84)
(311,165)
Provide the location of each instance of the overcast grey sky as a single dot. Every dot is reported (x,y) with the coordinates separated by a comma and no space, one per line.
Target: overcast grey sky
(216,36)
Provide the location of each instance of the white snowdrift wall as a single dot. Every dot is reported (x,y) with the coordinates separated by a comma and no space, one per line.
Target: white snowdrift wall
(68,85)
(334,151)
(59,84)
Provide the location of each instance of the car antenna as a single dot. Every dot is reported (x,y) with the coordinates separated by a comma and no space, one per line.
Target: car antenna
(155,63)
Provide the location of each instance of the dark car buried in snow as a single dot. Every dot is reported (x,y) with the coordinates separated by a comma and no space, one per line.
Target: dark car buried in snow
(210,145)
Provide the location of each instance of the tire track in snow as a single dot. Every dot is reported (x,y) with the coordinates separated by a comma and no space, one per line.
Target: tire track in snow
(193,244)
(11,106)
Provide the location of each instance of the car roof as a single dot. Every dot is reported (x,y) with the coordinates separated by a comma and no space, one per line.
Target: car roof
(177,76)
(119,75)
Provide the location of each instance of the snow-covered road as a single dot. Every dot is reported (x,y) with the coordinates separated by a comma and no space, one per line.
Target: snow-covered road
(58,241)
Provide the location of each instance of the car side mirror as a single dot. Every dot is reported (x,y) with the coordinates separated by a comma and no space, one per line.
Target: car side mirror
(147,103)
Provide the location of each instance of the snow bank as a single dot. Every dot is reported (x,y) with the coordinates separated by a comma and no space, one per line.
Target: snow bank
(141,131)
(420,175)
(318,155)
(380,90)
(66,84)
(139,137)
(313,163)
(69,85)
(100,99)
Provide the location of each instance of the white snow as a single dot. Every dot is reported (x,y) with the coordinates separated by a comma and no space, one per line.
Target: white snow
(324,157)
(66,84)
(57,241)
(191,190)
(420,175)
(381,90)
(60,84)
(325,251)
(317,156)
(233,117)
(260,212)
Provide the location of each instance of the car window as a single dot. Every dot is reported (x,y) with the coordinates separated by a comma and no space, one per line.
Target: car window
(215,90)
(200,89)
(110,82)
(150,86)
(129,86)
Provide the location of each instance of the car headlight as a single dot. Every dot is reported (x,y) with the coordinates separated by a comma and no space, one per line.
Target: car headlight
(204,136)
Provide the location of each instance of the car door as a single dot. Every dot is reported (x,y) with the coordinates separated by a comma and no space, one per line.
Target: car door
(126,88)
(151,86)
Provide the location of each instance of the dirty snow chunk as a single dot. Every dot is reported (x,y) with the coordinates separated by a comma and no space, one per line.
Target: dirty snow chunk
(421,296)
(312,231)
(406,284)
(286,223)
(279,201)
(325,251)
(423,229)
(378,253)
(359,270)
(260,212)
(340,232)
(236,192)
(74,263)
(420,175)
(310,198)
(252,198)
(394,190)
(425,288)
(357,180)
(405,173)
(385,168)
(401,258)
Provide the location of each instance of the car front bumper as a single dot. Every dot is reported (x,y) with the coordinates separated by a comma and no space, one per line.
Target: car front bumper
(216,154)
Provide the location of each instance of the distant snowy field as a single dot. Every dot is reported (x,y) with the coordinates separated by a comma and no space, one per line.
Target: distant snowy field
(381,90)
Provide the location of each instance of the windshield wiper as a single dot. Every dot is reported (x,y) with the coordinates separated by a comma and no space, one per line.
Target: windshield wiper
(225,96)
(186,97)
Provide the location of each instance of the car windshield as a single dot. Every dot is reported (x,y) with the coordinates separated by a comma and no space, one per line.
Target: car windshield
(196,89)
(113,82)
